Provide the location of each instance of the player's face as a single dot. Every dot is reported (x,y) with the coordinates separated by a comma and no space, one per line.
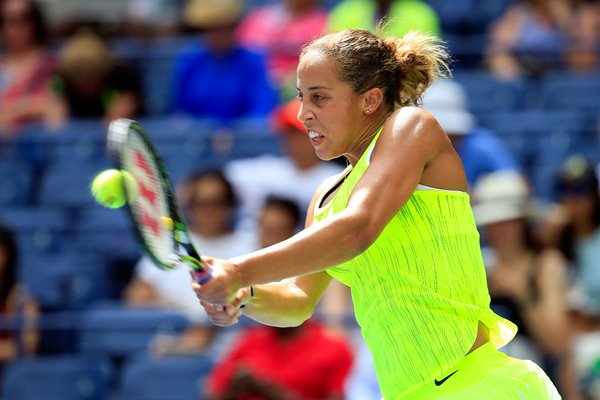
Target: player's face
(330,111)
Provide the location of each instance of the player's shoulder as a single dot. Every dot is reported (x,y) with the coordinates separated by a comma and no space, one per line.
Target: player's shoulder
(414,114)
(412,121)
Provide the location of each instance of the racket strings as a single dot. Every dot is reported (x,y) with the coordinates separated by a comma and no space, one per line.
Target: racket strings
(150,202)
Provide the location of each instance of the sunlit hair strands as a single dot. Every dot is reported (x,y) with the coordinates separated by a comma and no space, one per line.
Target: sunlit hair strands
(401,67)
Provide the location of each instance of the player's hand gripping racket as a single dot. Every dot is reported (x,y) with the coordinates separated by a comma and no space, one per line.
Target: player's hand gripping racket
(153,209)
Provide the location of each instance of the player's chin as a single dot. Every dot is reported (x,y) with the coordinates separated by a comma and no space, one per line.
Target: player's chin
(224,322)
(326,155)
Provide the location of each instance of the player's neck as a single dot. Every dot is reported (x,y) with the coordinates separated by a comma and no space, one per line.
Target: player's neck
(363,140)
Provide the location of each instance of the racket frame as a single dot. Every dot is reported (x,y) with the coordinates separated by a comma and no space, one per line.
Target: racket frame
(118,132)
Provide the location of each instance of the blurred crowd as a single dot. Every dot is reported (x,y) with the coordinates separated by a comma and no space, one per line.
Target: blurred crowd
(214,81)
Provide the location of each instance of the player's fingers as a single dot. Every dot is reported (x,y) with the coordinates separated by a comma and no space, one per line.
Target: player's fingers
(217,313)
(211,307)
(206,305)
(235,305)
(195,285)
(220,318)
(230,319)
(230,309)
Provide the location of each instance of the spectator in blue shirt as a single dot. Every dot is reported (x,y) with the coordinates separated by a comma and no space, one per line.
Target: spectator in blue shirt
(217,78)
(481,151)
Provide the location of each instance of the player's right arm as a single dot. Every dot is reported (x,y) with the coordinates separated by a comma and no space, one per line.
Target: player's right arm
(287,303)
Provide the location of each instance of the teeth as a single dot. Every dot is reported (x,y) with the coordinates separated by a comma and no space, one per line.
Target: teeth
(313,134)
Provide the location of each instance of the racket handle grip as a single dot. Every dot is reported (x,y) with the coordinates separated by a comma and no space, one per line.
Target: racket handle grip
(202,276)
(200,270)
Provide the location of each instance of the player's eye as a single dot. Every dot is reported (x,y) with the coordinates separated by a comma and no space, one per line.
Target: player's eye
(317,98)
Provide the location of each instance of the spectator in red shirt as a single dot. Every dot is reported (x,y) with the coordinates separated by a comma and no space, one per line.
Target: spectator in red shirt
(306,362)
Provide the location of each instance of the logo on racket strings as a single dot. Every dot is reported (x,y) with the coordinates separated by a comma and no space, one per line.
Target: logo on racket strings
(148,193)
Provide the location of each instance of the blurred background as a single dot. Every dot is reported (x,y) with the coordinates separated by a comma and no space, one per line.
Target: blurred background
(86,316)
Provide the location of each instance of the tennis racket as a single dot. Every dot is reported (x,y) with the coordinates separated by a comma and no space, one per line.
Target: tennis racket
(156,217)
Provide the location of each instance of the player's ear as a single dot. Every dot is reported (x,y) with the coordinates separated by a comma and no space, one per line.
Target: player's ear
(372,100)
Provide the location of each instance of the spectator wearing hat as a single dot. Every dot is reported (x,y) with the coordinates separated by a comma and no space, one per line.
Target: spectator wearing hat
(295,175)
(481,151)
(91,83)
(217,77)
(527,284)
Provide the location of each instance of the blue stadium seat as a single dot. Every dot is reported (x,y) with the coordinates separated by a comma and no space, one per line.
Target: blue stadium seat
(570,91)
(171,46)
(487,94)
(466,50)
(452,14)
(31,146)
(588,144)
(154,62)
(39,230)
(184,144)
(187,145)
(483,13)
(67,184)
(156,75)
(243,138)
(177,127)
(48,278)
(16,182)
(156,67)
(57,378)
(541,140)
(89,278)
(127,48)
(105,251)
(44,265)
(106,232)
(80,141)
(119,331)
(170,378)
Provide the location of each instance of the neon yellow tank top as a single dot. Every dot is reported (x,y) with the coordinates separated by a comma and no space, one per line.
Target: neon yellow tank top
(420,289)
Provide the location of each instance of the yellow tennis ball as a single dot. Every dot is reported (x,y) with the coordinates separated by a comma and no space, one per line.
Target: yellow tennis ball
(108,188)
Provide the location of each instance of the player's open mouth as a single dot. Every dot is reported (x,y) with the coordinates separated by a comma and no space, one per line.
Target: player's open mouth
(315,137)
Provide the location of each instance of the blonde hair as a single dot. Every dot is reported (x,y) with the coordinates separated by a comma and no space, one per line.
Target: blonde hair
(401,67)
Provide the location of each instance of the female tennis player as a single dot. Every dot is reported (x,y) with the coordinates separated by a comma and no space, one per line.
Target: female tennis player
(396,227)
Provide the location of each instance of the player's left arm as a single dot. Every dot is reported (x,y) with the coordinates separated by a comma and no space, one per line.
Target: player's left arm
(410,140)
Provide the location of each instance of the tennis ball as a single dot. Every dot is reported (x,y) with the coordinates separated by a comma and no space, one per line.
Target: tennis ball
(108,188)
